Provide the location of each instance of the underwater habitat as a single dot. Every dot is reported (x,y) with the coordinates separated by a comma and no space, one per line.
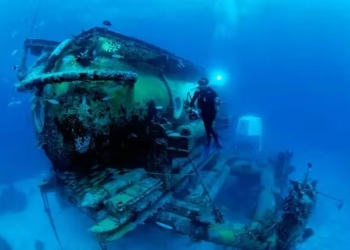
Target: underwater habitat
(196,125)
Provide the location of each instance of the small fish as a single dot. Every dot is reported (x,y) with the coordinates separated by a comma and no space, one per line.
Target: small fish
(68,58)
(14,103)
(14,52)
(164,225)
(107,23)
(107,98)
(16,67)
(117,56)
(53,101)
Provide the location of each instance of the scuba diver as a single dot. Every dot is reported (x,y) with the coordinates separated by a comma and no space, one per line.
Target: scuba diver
(208,102)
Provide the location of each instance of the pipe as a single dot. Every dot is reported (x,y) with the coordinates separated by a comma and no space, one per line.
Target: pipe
(234,235)
(266,199)
(125,77)
(269,232)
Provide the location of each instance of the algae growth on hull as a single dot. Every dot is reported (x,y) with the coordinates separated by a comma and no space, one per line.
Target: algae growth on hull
(110,114)
(95,91)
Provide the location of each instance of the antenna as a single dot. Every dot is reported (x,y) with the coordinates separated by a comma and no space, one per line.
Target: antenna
(34,20)
(340,202)
(306,178)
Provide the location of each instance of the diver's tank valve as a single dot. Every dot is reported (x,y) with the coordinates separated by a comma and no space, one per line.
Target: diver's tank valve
(193,114)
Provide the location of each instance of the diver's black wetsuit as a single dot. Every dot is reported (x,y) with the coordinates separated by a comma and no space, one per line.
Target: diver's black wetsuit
(206,103)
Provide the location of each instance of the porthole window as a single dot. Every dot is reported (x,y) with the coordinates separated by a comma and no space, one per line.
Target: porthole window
(38,114)
(178,107)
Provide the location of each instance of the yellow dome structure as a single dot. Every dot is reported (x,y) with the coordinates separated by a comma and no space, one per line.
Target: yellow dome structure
(110,112)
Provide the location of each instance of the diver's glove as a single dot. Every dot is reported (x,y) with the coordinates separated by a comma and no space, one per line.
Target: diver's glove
(206,151)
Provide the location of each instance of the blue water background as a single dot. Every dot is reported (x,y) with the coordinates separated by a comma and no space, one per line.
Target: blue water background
(288,62)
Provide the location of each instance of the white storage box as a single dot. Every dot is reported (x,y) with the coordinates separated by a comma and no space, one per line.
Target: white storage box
(249,132)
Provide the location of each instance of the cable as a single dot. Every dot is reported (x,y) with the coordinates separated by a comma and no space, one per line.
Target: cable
(34,20)
(216,209)
(49,214)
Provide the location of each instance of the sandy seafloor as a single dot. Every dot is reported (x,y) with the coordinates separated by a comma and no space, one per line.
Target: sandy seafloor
(332,226)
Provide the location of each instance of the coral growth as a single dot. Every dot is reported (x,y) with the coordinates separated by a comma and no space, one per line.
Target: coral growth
(86,75)
(109,45)
(82,144)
